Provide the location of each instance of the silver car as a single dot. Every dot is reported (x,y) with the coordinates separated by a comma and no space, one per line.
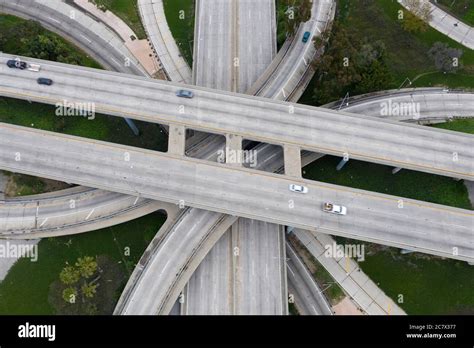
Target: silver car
(298,188)
(183,93)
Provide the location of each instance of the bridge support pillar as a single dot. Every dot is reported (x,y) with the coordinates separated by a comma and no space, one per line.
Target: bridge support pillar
(292,157)
(233,150)
(132,126)
(342,164)
(177,140)
(396,170)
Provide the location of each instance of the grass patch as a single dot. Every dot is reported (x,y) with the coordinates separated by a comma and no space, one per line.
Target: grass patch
(24,185)
(429,285)
(127,10)
(26,288)
(465,126)
(181,29)
(102,127)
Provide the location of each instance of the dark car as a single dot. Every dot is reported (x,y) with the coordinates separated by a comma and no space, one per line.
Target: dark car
(18,64)
(184,94)
(306,36)
(44,81)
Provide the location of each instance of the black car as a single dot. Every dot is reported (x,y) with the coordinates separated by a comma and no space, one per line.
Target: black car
(44,81)
(18,64)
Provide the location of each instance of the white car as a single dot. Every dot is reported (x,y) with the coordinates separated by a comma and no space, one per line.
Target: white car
(334,208)
(34,67)
(298,188)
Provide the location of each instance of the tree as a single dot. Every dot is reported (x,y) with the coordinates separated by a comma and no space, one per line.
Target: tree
(296,12)
(446,58)
(74,277)
(86,266)
(69,275)
(89,295)
(89,290)
(49,47)
(349,64)
(70,295)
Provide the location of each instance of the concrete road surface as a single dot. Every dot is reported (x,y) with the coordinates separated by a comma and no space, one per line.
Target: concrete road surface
(247,193)
(324,131)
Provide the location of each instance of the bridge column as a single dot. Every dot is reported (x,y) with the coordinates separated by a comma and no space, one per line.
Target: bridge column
(132,126)
(342,164)
(176,140)
(233,150)
(396,170)
(292,158)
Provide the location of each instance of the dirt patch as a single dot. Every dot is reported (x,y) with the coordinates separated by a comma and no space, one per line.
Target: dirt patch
(346,307)
(23,185)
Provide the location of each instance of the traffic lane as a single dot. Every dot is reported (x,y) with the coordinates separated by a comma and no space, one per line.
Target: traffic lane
(204,184)
(421,149)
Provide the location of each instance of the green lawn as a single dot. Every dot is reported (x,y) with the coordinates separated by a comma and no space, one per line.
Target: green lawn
(465,126)
(25,289)
(26,185)
(182,29)
(462,9)
(103,127)
(428,285)
(127,10)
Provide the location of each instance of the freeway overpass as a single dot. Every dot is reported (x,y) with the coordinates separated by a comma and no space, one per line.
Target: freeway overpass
(372,217)
(438,105)
(71,211)
(246,117)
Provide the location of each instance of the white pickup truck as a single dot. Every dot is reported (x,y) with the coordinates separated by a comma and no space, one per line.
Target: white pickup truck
(334,209)
(34,67)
